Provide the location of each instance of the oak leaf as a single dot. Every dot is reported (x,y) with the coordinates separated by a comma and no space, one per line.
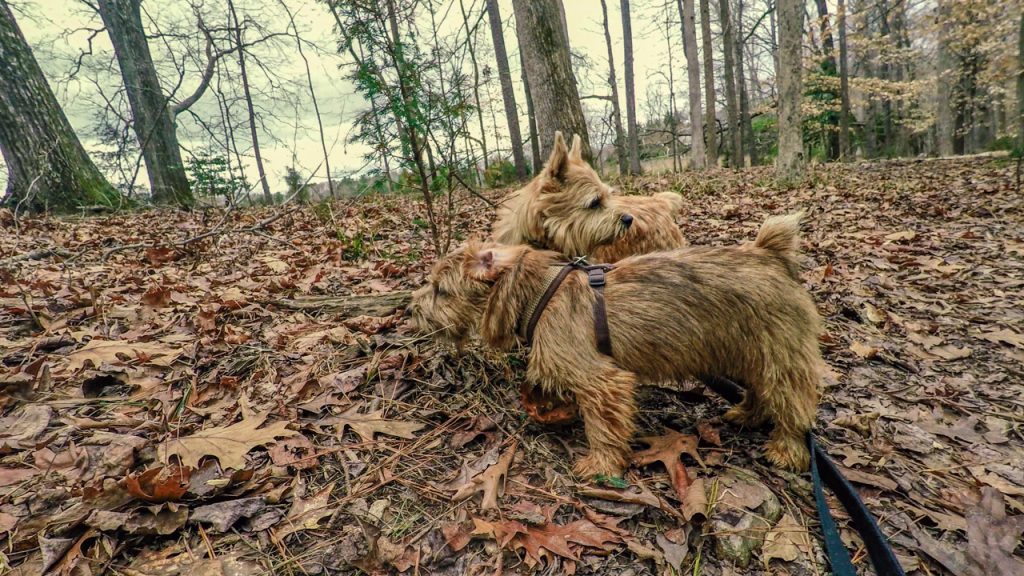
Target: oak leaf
(366,425)
(666,449)
(229,444)
(109,351)
(787,541)
(490,482)
(992,537)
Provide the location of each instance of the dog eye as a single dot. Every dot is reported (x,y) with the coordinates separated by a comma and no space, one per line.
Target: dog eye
(439,292)
(595,203)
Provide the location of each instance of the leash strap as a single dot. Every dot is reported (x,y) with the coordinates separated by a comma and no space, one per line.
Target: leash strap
(825,473)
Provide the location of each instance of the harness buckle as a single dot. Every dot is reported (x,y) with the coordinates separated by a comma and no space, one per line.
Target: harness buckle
(596,277)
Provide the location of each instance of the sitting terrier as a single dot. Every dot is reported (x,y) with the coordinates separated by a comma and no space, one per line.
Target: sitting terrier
(738,312)
(562,207)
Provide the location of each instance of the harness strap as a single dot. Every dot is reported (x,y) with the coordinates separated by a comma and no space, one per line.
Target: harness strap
(595,277)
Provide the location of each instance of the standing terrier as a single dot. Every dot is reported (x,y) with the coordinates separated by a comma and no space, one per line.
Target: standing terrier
(564,207)
(738,312)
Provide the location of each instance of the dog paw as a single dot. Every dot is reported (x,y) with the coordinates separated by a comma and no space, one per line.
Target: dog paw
(593,465)
(739,416)
(790,454)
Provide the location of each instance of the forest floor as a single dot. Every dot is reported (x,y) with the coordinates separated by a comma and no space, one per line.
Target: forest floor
(194,409)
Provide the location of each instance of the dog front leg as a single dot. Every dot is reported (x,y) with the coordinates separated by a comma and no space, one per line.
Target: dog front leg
(608,407)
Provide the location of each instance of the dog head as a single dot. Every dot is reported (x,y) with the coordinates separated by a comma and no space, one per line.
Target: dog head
(565,208)
(452,302)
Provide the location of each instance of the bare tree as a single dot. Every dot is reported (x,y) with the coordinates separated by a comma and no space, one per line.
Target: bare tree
(746,129)
(471,48)
(620,139)
(689,26)
(844,85)
(508,95)
(711,122)
(545,52)
(531,117)
(791,141)
(1020,82)
(728,77)
(268,198)
(828,68)
(47,166)
(152,111)
(627,47)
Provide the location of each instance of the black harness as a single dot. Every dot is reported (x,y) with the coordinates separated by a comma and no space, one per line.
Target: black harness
(823,471)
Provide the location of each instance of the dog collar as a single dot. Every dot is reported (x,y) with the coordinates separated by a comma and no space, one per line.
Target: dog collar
(553,277)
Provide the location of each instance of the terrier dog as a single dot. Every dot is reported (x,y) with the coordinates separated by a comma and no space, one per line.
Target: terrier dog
(565,206)
(738,312)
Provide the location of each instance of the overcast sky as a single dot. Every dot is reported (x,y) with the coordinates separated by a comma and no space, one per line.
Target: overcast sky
(59,30)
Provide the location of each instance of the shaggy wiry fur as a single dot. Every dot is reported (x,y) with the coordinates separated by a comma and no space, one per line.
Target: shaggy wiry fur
(565,207)
(738,312)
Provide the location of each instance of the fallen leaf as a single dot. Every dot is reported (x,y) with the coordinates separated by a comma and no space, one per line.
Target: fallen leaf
(223,515)
(903,235)
(158,485)
(546,409)
(366,425)
(992,537)
(20,430)
(787,541)
(490,482)
(305,514)
(99,352)
(1006,336)
(708,433)
(667,449)
(229,444)
(156,520)
(863,350)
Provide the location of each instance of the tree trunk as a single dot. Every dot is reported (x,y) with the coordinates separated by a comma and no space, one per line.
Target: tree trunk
(1020,83)
(627,43)
(508,95)
(689,27)
(531,118)
(791,141)
(152,113)
(47,166)
(613,84)
(471,48)
(828,68)
(844,85)
(710,121)
(268,198)
(729,68)
(556,101)
(746,128)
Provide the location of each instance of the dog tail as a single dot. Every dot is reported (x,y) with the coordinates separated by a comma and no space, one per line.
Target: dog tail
(781,234)
(675,201)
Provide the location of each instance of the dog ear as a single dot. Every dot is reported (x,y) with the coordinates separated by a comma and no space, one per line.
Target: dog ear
(558,160)
(576,151)
(488,263)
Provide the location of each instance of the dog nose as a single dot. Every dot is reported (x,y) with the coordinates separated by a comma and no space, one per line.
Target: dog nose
(627,220)
(408,311)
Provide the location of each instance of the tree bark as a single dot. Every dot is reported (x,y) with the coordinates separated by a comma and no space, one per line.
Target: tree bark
(627,43)
(728,69)
(828,68)
(1020,82)
(710,121)
(791,142)
(152,114)
(746,142)
(531,117)
(471,48)
(556,100)
(268,198)
(689,29)
(508,95)
(48,169)
(844,85)
(613,84)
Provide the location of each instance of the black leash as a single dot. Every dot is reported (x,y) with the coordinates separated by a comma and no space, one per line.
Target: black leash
(823,469)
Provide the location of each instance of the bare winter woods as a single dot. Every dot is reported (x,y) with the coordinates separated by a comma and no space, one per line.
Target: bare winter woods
(122,102)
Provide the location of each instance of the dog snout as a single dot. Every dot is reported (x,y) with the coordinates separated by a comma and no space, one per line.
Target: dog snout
(627,220)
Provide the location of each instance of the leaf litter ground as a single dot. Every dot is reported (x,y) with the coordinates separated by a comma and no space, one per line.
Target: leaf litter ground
(174,407)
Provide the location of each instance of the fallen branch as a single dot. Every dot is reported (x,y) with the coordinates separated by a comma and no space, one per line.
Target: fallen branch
(377,304)
(36,255)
